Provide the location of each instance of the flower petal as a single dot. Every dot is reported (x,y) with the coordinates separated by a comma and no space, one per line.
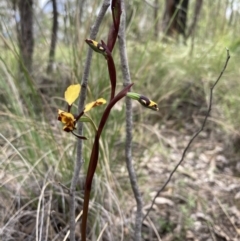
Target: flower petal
(72,93)
(98,47)
(67,119)
(95,103)
(69,128)
(143,100)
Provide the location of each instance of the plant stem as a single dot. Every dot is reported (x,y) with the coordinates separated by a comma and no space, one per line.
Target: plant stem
(129,126)
(83,94)
(94,158)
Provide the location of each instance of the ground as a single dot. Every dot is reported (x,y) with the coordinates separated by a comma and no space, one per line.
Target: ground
(202,201)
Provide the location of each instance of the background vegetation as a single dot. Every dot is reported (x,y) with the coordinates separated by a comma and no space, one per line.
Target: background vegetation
(203,200)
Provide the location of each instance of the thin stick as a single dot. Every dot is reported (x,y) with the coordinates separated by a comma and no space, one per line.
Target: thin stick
(193,137)
(68,232)
(128,146)
(83,94)
(154,229)
(100,235)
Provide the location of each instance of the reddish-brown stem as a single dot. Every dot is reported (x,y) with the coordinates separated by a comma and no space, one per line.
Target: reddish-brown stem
(94,158)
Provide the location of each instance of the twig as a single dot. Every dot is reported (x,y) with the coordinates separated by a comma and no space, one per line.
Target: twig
(76,219)
(78,163)
(227,215)
(193,137)
(64,187)
(102,231)
(128,146)
(154,229)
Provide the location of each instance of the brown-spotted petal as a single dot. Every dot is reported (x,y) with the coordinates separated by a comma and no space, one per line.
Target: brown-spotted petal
(93,104)
(67,119)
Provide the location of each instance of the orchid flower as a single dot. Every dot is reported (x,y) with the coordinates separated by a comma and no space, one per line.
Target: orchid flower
(68,119)
(143,100)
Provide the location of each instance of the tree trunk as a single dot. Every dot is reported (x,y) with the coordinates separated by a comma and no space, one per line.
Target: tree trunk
(175,17)
(25,33)
(156,30)
(182,17)
(53,38)
(81,10)
(197,10)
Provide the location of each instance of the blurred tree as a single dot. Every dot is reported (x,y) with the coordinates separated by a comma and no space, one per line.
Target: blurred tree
(25,32)
(175,17)
(54,37)
(197,10)
(81,9)
(156,19)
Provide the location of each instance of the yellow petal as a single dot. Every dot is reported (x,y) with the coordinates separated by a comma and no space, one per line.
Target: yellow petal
(95,103)
(72,93)
(93,42)
(153,105)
